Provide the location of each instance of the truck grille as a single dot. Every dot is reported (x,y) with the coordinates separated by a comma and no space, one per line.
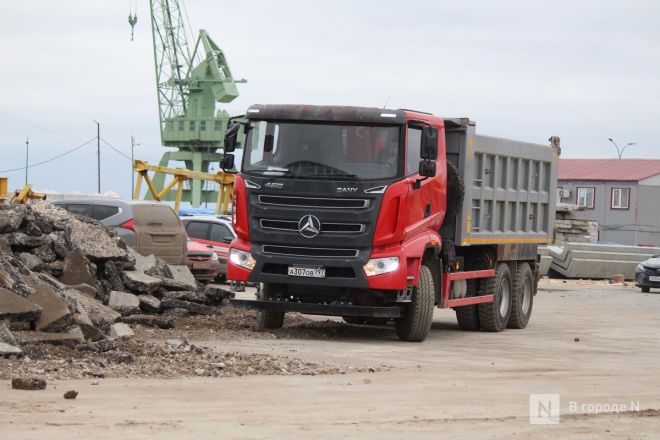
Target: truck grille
(326,227)
(296,251)
(314,202)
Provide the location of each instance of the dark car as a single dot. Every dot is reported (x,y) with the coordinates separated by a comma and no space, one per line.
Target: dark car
(647,275)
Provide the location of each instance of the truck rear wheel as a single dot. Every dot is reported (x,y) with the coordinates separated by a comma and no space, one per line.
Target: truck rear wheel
(267,319)
(522,297)
(468,317)
(416,324)
(494,316)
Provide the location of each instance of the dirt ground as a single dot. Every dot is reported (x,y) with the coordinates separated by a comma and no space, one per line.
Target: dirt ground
(596,345)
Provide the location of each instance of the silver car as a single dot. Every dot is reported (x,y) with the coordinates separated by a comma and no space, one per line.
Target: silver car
(149,228)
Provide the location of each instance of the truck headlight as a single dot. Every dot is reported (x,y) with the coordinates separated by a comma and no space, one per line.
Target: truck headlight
(242,259)
(379,266)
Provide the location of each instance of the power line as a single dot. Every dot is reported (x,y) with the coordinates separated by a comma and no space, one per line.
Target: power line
(41,127)
(117,150)
(51,159)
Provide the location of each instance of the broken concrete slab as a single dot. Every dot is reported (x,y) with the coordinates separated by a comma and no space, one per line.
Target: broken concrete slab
(186,295)
(113,275)
(161,269)
(121,331)
(70,338)
(124,302)
(106,345)
(11,217)
(176,312)
(143,263)
(93,241)
(150,321)
(88,328)
(59,243)
(149,303)
(101,316)
(182,274)
(16,308)
(139,282)
(13,274)
(55,314)
(7,350)
(79,270)
(45,253)
(31,261)
(19,239)
(4,246)
(88,290)
(215,293)
(194,308)
(6,335)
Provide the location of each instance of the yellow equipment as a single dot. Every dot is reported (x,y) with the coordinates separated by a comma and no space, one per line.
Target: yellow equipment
(180,175)
(25,194)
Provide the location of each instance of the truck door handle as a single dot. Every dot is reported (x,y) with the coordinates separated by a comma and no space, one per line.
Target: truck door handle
(427,211)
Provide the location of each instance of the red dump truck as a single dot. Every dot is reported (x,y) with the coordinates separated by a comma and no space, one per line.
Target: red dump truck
(375,215)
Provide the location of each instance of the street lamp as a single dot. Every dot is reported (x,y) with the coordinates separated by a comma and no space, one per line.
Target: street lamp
(620,151)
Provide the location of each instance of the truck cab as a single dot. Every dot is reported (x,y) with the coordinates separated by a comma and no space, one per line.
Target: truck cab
(337,210)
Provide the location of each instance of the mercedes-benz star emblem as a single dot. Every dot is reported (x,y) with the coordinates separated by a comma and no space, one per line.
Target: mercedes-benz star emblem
(309,226)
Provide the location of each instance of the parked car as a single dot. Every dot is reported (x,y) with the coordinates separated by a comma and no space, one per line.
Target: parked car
(215,232)
(203,262)
(149,228)
(647,275)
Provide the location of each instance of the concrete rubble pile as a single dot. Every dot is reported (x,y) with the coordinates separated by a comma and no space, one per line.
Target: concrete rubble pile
(67,279)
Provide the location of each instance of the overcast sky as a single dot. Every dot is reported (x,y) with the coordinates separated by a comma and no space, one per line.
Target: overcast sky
(582,70)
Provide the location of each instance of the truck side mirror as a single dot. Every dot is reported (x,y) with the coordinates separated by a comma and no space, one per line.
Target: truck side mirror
(427,168)
(231,136)
(227,162)
(429,148)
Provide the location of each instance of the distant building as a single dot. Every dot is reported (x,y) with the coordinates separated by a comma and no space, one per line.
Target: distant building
(622,195)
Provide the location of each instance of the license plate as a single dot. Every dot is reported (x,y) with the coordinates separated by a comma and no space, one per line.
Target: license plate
(310,272)
(656,279)
(201,266)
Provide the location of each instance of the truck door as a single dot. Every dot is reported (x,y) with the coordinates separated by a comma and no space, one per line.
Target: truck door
(425,202)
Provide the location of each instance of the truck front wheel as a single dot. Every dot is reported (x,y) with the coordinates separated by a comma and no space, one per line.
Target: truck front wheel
(267,319)
(416,323)
(494,316)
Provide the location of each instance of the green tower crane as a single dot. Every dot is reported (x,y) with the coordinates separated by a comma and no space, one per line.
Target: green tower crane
(189,86)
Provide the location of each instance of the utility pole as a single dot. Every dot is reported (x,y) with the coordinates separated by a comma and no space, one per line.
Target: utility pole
(133,145)
(27,157)
(98,156)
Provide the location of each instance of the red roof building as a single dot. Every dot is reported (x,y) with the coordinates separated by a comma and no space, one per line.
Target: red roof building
(622,195)
(621,170)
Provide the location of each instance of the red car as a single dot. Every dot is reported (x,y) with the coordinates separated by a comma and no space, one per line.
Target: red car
(215,232)
(203,262)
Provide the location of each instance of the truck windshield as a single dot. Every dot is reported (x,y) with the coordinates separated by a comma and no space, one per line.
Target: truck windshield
(322,151)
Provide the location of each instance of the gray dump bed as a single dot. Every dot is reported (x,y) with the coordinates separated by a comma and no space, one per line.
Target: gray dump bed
(510,188)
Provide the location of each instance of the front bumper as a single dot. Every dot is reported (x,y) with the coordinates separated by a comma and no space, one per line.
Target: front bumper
(642,279)
(340,272)
(320,309)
